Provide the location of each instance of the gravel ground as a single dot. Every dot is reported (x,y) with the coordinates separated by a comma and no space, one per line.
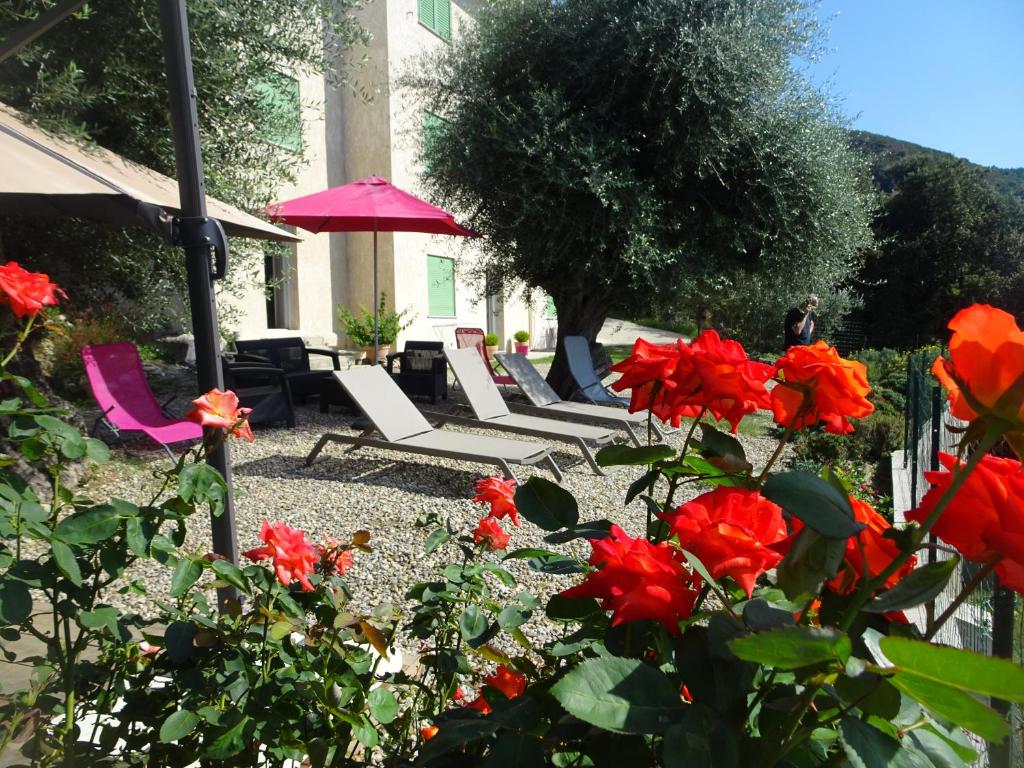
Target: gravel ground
(382,492)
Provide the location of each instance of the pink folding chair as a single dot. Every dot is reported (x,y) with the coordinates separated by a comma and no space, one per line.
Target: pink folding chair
(474,337)
(119,385)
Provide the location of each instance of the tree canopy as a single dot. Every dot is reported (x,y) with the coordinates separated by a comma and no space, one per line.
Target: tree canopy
(625,153)
(99,75)
(947,239)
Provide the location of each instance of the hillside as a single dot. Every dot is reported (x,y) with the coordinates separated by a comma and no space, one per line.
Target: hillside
(884,149)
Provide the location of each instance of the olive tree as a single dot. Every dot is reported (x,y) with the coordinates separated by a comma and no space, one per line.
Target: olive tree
(634,153)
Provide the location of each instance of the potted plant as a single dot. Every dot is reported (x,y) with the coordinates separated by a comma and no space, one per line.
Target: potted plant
(522,342)
(359,327)
(491,342)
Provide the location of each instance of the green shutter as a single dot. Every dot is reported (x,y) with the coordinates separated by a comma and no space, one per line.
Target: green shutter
(432,125)
(549,309)
(440,286)
(443,18)
(281,110)
(427,13)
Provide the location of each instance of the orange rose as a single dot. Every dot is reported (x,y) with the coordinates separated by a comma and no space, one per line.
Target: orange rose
(26,292)
(220,410)
(985,371)
(985,520)
(877,550)
(816,384)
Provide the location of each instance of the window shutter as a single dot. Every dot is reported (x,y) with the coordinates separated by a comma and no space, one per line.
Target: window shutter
(440,286)
(427,12)
(279,97)
(443,18)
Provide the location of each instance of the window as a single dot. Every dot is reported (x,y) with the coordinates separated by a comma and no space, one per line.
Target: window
(432,126)
(440,286)
(282,110)
(436,15)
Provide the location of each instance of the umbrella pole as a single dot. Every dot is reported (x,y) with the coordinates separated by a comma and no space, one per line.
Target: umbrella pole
(189,163)
(376,302)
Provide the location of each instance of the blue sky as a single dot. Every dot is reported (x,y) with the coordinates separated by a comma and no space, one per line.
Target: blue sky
(948,74)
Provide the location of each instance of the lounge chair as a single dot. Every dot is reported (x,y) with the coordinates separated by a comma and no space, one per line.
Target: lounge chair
(589,384)
(403,428)
(474,337)
(546,401)
(119,385)
(581,366)
(492,413)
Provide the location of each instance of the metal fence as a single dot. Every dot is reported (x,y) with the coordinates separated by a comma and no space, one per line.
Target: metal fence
(990,621)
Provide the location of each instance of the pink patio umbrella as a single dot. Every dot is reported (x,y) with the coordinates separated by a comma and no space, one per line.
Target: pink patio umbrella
(368,205)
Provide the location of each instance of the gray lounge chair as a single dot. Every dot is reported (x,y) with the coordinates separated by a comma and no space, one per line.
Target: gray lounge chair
(404,428)
(581,366)
(546,401)
(491,411)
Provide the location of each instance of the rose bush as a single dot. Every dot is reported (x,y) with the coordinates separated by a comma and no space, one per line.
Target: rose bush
(762,622)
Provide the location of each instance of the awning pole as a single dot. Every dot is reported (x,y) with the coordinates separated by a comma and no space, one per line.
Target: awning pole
(191,188)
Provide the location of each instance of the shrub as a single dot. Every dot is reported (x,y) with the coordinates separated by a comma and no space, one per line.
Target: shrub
(360,328)
(491,340)
(521,336)
(61,353)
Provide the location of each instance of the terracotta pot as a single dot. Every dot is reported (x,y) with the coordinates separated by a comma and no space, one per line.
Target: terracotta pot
(523,347)
(491,350)
(385,350)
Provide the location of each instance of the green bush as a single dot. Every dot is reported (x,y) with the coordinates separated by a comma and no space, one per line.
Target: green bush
(491,340)
(359,328)
(521,336)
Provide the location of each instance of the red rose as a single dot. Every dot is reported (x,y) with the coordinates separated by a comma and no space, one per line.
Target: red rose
(26,292)
(489,533)
(429,731)
(220,410)
(878,552)
(501,495)
(729,384)
(509,682)
(985,371)
(816,384)
(729,530)
(333,557)
(293,557)
(985,520)
(646,373)
(638,580)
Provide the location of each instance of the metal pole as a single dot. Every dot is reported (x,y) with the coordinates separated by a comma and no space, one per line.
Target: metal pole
(376,300)
(1000,755)
(191,189)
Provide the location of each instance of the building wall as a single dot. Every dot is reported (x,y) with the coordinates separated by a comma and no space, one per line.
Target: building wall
(371,127)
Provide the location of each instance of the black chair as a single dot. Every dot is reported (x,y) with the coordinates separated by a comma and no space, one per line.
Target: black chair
(422,369)
(263,388)
(291,355)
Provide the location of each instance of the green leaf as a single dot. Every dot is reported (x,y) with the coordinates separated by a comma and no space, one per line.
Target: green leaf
(233,740)
(620,695)
(918,586)
(595,529)
(512,617)
(436,539)
(871,693)
(97,450)
(201,483)
(455,733)
(105,616)
(793,647)
(230,573)
(516,750)
(186,573)
(868,747)
(954,705)
(935,748)
(719,443)
(560,608)
(622,455)
(641,484)
(966,670)
(383,706)
(815,502)
(547,505)
(179,725)
(15,601)
(138,533)
(473,625)
(178,640)
(812,559)
(89,526)
(66,562)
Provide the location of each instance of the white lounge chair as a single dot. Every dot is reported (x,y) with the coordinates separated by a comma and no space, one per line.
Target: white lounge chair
(492,413)
(403,428)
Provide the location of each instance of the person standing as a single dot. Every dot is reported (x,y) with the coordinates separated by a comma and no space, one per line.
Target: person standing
(800,323)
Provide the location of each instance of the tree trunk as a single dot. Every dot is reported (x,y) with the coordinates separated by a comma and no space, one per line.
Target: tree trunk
(579,314)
